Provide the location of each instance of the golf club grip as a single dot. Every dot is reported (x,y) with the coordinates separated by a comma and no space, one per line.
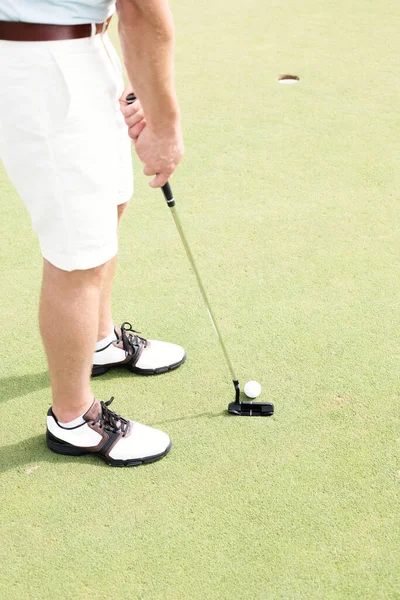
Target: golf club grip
(130,99)
(168,195)
(166,189)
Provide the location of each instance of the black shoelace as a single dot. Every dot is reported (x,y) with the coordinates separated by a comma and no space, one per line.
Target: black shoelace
(132,342)
(110,420)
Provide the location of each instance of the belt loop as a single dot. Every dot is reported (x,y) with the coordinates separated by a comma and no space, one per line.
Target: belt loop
(94,29)
(104,28)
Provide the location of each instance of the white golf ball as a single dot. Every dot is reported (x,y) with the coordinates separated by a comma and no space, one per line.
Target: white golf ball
(252,389)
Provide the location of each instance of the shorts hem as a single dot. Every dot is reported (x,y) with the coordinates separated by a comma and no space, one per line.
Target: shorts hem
(124,198)
(86,259)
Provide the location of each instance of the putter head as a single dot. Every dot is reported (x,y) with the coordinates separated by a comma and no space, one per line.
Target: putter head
(251,409)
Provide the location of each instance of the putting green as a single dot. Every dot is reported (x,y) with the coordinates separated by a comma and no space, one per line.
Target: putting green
(289,197)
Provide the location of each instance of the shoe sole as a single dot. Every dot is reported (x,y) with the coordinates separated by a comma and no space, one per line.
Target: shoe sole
(102,369)
(60,447)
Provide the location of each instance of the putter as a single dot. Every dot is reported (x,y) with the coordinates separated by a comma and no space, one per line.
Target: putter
(238,407)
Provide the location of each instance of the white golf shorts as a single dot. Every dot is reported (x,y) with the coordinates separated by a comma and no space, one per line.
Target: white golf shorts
(65,146)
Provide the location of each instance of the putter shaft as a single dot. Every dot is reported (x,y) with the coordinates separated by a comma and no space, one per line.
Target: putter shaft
(171,203)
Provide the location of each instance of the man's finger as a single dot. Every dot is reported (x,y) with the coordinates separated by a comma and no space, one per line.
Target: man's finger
(133,119)
(160,180)
(129,109)
(149,171)
(136,130)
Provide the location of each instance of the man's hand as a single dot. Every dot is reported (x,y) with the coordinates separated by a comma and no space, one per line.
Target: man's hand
(160,150)
(133,114)
(146,32)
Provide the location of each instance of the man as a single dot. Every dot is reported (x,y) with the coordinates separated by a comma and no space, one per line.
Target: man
(64,144)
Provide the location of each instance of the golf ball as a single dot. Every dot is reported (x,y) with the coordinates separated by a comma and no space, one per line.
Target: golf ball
(252,389)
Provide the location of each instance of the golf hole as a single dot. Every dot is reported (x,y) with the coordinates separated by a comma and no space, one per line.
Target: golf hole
(288,79)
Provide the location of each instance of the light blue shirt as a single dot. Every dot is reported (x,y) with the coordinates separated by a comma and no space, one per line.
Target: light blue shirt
(57,12)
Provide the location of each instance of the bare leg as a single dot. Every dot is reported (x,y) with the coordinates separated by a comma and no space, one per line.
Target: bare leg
(68,318)
(106,322)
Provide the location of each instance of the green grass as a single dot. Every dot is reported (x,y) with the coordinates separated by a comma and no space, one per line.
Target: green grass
(289,197)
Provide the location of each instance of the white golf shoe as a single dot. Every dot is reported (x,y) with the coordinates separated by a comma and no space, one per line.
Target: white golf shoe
(117,441)
(138,355)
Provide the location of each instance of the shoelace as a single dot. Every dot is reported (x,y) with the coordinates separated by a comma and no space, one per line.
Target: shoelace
(110,420)
(131,341)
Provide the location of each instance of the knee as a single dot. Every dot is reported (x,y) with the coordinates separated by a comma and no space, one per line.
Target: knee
(93,277)
(77,278)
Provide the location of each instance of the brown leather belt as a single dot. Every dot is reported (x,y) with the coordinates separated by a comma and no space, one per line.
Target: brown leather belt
(16,31)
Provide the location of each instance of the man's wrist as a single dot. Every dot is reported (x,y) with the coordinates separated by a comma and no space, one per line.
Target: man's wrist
(168,122)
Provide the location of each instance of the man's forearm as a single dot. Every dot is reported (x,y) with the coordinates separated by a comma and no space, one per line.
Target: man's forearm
(146,33)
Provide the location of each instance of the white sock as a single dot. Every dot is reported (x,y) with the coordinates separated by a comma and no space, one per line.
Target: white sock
(74,423)
(103,343)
